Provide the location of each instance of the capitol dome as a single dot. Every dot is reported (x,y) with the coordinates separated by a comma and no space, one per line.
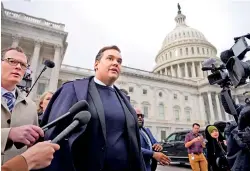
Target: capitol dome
(183,51)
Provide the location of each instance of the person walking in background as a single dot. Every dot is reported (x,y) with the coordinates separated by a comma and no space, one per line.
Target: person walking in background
(149,146)
(194,142)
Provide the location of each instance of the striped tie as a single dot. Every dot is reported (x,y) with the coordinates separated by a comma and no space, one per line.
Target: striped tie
(10,101)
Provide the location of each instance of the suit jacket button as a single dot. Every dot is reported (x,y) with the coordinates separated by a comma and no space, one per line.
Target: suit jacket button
(103,148)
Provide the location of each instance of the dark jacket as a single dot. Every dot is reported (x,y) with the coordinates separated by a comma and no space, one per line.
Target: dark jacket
(216,150)
(147,153)
(84,150)
(238,153)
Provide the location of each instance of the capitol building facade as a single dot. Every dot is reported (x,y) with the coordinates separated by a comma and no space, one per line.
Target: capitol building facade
(173,96)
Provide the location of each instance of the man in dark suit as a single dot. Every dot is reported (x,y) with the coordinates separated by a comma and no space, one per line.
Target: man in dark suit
(149,146)
(111,140)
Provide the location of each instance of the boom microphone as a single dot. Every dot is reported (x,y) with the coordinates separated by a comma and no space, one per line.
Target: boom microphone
(81,119)
(49,63)
(76,108)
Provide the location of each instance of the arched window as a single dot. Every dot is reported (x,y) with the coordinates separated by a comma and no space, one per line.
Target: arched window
(180,52)
(186,51)
(161,110)
(145,109)
(177,112)
(198,50)
(192,49)
(188,113)
(160,94)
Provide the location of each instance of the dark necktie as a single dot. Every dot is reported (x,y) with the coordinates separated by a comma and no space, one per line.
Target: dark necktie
(10,101)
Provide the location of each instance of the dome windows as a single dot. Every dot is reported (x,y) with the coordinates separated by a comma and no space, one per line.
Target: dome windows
(198,50)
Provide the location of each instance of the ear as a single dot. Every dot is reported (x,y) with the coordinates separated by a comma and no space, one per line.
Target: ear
(96,65)
(40,104)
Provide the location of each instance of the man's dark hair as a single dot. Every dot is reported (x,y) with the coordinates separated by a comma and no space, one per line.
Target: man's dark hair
(100,53)
(196,124)
(4,51)
(124,91)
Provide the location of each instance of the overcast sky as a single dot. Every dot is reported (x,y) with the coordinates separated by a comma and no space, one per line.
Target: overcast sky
(138,27)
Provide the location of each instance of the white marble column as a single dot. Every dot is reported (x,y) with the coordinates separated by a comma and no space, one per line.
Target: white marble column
(15,40)
(172,71)
(218,106)
(193,70)
(55,71)
(34,66)
(202,109)
(186,70)
(35,59)
(200,70)
(179,70)
(211,109)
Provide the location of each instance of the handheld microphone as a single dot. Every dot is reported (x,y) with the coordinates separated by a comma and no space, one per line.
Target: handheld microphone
(48,64)
(76,108)
(81,119)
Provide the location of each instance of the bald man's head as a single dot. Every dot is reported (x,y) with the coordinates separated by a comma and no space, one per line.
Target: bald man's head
(138,110)
(140,117)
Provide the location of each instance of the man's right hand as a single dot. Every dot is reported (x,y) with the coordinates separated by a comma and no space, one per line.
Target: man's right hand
(27,134)
(40,155)
(196,139)
(162,158)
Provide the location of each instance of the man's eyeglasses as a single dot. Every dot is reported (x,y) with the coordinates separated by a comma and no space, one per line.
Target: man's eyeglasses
(140,115)
(14,62)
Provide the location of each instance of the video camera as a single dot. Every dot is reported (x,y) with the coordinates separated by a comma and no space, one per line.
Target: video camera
(219,74)
(233,71)
(238,70)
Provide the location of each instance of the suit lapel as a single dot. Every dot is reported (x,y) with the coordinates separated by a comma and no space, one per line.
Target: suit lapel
(144,137)
(19,96)
(93,92)
(4,104)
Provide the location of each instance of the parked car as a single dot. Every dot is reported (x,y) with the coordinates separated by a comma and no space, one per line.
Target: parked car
(174,147)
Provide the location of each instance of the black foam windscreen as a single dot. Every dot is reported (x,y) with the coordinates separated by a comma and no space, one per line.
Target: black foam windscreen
(79,106)
(49,63)
(83,117)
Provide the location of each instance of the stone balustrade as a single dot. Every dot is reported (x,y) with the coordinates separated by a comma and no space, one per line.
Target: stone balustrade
(133,71)
(34,20)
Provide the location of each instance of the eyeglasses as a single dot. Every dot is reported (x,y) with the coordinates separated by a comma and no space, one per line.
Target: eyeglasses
(14,62)
(140,115)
